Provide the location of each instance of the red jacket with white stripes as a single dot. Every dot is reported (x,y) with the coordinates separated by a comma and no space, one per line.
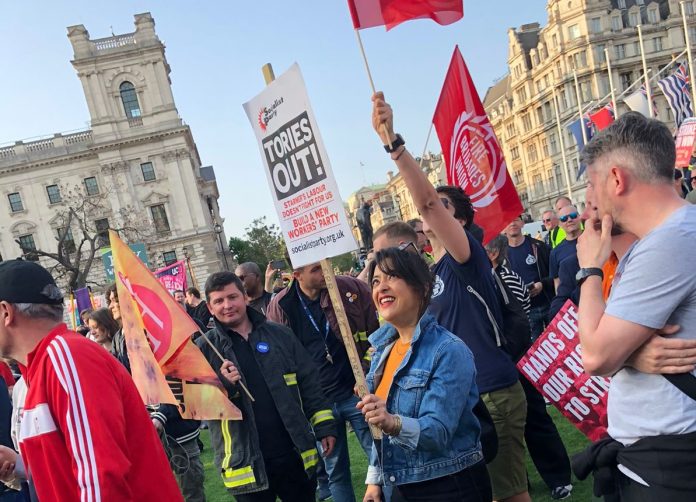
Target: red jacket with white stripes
(85,434)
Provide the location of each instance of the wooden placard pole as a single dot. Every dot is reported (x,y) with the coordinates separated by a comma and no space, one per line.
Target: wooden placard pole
(337,303)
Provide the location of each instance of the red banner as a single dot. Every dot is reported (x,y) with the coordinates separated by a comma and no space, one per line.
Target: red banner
(554,366)
(173,277)
(685,142)
(390,13)
(472,153)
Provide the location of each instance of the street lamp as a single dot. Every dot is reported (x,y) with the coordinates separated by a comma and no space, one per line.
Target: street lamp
(187,257)
(217,228)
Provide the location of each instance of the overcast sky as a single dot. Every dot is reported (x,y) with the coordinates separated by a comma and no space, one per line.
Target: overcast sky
(216,50)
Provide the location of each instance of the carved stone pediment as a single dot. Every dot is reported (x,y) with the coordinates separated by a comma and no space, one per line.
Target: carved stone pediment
(22,228)
(155,198)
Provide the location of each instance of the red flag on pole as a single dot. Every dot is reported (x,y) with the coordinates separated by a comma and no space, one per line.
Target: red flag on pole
(472,154)
(390,13)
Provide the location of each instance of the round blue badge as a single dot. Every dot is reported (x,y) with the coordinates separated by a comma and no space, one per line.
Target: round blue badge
(262,347)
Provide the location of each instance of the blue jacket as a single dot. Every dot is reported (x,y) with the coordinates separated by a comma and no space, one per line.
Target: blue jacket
(434,391)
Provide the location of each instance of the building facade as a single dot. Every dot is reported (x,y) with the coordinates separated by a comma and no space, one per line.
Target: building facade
(137,169)
(541,64)
(392,201)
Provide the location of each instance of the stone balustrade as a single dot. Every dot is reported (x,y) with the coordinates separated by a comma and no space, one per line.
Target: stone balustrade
(55,146)
(115,42)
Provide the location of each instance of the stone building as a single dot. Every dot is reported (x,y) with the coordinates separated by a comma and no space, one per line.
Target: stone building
(542,59)
(137,165)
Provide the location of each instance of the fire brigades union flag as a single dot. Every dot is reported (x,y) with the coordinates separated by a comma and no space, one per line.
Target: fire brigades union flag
(472,153)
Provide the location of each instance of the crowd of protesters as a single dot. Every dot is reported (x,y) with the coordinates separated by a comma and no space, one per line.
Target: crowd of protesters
(438,321)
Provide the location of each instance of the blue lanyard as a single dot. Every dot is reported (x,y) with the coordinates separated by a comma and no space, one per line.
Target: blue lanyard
(311,317)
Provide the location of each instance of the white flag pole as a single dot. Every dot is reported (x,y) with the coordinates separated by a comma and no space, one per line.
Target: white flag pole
(577,97)
(688,55)
(645,72)
(369,76)
(611,84)
(560,137)
(425,147)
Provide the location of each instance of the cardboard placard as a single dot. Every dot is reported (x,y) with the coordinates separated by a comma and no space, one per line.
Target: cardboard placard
(311,213)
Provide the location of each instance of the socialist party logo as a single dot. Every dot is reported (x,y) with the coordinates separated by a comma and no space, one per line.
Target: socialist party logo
(476,163)
(267,113)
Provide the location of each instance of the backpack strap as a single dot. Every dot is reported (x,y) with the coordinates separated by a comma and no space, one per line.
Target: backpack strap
(685,382)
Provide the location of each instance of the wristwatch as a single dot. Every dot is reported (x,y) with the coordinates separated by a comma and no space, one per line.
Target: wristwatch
(399,141)
(584,273)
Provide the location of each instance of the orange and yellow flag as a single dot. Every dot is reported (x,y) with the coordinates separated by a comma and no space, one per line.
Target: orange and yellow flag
(158,335)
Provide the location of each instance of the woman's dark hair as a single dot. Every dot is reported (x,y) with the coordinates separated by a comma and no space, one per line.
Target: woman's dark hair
(463,209)
(104,319)
(405,264)
(108,291)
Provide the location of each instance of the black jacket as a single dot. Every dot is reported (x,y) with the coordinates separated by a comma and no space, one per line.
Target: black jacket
(168,415)
(542,253)
(293,382)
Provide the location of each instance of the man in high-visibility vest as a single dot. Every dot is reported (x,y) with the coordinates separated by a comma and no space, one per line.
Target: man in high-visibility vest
(555,234)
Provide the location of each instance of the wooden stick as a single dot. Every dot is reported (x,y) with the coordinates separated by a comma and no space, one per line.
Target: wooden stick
(369,76)
(217,352)
(348,340)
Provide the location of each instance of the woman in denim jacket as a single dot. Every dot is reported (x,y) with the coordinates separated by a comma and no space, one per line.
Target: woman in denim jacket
(423,389)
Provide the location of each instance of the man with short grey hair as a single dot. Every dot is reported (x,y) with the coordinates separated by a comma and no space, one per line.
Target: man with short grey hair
(82,413)
(554,233)
(652,417)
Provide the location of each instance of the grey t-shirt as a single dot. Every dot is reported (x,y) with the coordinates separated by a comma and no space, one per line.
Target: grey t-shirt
(652,288)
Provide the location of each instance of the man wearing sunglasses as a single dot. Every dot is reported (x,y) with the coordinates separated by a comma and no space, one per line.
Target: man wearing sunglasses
(569,219)
(554,233)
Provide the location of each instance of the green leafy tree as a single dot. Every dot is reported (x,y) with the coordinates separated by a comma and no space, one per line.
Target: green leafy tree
(240,249)
(261,244)
(344,262)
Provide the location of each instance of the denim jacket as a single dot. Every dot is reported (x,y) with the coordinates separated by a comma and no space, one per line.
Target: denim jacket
(434,391)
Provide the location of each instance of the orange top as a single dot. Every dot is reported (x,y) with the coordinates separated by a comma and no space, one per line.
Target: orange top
(609,270)
(396,356)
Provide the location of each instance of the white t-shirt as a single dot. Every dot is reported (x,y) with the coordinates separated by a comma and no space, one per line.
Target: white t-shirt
(654,286)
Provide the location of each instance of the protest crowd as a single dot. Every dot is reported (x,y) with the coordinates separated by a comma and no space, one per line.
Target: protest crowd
(440,355)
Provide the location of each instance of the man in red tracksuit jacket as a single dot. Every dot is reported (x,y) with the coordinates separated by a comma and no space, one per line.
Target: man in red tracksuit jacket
(85,434)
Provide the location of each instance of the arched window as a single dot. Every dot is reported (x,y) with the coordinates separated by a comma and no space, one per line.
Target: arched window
(130,100)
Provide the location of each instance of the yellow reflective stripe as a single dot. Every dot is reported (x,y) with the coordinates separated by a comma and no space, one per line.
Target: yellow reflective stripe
(234,478)
(310,458)
(321,416)
(368,356)
(227,441)
(361,336)
(290,378)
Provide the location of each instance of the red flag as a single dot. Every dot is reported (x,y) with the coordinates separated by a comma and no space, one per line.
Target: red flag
(390,13)
(472,154)
(602,119)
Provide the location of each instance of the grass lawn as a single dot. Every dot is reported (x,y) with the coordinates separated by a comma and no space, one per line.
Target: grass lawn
(573,439)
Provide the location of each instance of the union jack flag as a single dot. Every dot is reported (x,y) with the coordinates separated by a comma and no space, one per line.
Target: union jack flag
(676,90)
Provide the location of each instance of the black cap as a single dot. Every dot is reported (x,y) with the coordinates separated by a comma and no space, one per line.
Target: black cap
(27,282)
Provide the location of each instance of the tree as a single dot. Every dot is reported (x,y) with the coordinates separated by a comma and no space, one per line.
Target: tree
(240,249)
(261,244)
(81,225)
(344,262)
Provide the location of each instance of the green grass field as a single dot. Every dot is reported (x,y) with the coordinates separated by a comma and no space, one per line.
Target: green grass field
(572,438)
